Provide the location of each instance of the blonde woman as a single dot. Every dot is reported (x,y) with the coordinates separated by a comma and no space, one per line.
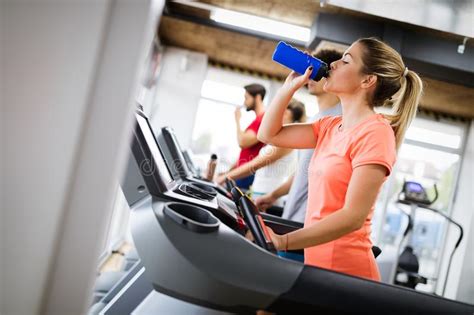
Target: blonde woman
(354,153)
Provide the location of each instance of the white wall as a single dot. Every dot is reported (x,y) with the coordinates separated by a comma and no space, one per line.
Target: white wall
(67,87)
(2,219)
(38,106)
(178,92)
(461,275)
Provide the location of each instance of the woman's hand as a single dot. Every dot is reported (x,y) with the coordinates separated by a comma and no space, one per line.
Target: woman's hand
(294,81)
(279,241)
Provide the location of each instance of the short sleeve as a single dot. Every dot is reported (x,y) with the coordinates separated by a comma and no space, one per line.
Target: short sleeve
(375,146)
(320,125)
(316,129)
(255,125)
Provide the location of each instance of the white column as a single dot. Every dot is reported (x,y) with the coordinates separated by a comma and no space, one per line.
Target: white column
(68,82)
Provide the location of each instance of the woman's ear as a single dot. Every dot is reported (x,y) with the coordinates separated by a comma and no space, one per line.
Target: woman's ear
(369,81)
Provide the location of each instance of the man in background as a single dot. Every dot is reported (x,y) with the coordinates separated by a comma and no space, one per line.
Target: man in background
(247,139)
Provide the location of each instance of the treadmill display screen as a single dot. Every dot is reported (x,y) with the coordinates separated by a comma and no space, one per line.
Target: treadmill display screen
(155,151)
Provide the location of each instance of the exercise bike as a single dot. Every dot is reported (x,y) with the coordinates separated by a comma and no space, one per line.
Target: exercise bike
(407,267)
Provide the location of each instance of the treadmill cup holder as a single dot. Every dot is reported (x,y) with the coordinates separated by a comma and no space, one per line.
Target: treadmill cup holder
(204,188)
(193,218)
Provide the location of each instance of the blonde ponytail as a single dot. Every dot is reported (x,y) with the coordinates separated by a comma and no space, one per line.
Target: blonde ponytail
(405,106)
(393,78)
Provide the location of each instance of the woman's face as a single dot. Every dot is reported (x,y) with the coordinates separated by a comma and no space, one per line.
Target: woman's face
(345,76)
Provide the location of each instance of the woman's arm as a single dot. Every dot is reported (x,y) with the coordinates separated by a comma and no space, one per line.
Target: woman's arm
(298,136)
(363,189)
(257,163)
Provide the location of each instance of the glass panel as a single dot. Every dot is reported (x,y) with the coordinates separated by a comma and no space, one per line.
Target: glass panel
(427,167)
(433,132)
(223,92)
(212,116)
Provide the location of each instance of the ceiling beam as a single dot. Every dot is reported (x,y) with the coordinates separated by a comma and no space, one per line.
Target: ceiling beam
(430,56)
(185,12)
(254,54)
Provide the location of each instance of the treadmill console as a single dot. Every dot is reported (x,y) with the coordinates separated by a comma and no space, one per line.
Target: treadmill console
(196,190)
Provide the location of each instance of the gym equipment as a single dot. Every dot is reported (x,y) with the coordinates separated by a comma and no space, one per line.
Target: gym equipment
(190,255)
(414,195)
(299,61)
(187,154)
(211,167)
(159,179)
(176,162)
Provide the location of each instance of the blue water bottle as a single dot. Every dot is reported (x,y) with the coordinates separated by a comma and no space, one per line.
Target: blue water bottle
(299,61)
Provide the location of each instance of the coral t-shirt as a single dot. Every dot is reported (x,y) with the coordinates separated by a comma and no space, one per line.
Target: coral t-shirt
(337,153)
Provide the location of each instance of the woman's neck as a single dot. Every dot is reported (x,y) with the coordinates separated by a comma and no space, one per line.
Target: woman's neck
(354,110)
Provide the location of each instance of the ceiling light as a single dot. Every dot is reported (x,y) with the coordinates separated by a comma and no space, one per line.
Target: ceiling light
(263,25)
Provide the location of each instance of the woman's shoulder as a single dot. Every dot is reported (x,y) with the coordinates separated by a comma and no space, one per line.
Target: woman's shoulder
(329,122)
(375,130)
(378,125)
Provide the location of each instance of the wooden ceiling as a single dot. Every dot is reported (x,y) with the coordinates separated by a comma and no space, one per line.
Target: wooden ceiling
(253,54)
(303,13)
(300,12)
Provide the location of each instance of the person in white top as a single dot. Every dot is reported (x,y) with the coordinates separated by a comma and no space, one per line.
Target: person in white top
(274,174)
(273,165)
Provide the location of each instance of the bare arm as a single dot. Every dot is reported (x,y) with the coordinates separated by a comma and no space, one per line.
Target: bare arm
(247,138)
(266,201)
(257,163)
(272,130)
(284,188)
(363,188)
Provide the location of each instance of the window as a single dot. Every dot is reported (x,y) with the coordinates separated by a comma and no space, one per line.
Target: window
(431,154)
(214,127)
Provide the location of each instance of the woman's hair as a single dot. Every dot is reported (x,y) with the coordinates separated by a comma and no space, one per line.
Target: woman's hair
(298,111)
(392,76)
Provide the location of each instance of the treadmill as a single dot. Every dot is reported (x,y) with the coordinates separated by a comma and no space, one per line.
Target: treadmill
(181,168)
(176,161)
(187,154)
(189,254)
(159,181)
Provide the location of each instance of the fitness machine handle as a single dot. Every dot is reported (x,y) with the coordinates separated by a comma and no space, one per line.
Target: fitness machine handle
(229,184)
(436,195)
(254,220)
